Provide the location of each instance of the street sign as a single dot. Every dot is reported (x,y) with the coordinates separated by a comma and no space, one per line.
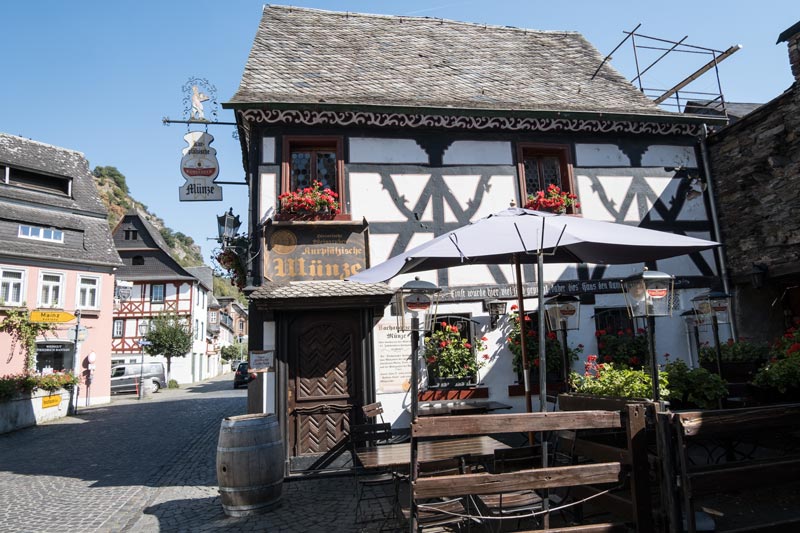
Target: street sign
(83,333)
(143,342)
(51,316)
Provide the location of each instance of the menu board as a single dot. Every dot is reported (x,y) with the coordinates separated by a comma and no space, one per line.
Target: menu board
(393,354)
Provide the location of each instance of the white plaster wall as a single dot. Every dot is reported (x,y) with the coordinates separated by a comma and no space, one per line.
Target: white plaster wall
(600,155)
(268,150)
(376,150)
(478,153)
(267,198)
(669,156)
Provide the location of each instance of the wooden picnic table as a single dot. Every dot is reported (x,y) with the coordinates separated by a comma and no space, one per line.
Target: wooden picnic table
(459,407)
(399,455)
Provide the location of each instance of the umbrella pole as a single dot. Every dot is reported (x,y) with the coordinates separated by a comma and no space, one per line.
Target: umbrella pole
(526,365)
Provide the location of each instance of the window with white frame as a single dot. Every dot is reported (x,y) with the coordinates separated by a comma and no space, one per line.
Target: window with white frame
(50,289)
(12,285)
(157,293)
(88,292)
(119,328)
(40,233)
(212,317)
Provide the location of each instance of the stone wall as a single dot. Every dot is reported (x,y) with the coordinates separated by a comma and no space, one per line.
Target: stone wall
(755,165)
(31,409)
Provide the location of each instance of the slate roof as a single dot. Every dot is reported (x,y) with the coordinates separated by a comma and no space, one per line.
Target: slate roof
(309,56)
(82,214)
(205,274)
(158,263)
(321,295)
(734,110)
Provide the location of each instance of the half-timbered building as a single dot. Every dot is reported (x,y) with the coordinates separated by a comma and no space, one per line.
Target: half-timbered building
(420,126)
(150,282)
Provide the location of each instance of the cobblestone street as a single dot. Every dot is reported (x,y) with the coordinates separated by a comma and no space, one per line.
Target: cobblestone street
(147,466)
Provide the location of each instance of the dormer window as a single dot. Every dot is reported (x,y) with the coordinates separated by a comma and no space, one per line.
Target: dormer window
(40,234)
(39,182)
(131,235)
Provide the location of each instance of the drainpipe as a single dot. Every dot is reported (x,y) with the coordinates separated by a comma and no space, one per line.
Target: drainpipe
(712,202)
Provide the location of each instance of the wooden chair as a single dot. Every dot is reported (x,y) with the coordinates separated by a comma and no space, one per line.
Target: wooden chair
(514,504)
(374,412)
(370,483)
(438,512)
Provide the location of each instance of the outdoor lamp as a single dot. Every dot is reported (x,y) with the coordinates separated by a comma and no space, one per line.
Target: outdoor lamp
(714,305)
(228,225)
(648,295)
(563,313)
(496,308)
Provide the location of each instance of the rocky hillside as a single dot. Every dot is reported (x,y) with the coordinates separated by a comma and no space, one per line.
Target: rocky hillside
(117,199)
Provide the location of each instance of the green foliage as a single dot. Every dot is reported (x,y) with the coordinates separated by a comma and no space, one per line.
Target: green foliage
(604,379)
(780,374)
(23,332)
(169,336)
(173,384)
(223,287)
(113,174)
(735,352)
(623,348)
(787,345)
(553,350)
(233,351)
(449,355)
(697,386)
(168,237)
(11,385)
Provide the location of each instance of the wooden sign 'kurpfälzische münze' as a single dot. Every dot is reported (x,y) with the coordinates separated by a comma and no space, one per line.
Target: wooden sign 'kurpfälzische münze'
(305,252)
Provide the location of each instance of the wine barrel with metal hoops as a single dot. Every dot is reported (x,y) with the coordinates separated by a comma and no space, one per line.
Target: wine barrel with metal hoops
(249,463)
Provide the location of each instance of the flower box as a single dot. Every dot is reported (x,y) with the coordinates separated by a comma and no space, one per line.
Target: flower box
(589,402)
(453,394)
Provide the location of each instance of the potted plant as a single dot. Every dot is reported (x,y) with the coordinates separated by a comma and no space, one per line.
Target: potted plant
(231,260)
(309,203)
(739,360)
(451,358)
(553,351)
(553,200)
(778,380)
(696,387)
(605,386)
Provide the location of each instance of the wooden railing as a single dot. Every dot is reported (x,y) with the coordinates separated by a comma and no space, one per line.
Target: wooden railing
(614,466)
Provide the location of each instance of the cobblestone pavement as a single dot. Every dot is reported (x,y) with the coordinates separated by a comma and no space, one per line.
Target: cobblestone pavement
(145,466)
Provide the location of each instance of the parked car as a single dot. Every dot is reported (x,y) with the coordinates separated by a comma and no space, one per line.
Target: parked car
(235,364)
(124,378)
(243,376)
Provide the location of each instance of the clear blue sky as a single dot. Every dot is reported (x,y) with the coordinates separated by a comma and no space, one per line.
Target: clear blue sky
(98,76)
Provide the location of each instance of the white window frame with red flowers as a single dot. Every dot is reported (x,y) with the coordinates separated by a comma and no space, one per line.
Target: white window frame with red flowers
(466,326)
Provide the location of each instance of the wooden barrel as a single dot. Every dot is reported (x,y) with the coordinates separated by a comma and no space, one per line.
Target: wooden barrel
(249,463)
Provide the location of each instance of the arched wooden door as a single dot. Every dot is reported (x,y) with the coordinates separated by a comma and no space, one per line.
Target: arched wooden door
(324,380)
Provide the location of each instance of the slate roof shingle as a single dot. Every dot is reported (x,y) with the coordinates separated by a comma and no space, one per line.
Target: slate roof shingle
(309,56)
(82,212)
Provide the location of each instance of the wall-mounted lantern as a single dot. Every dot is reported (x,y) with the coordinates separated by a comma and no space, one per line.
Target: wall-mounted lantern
(496,309)
(228,226)
(758,275)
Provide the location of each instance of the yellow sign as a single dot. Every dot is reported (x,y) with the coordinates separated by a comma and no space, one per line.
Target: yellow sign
(51,316)
(51,401)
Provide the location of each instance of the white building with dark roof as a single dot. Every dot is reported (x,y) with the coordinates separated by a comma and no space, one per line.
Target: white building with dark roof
(56,253)
(421,126)
(154,282)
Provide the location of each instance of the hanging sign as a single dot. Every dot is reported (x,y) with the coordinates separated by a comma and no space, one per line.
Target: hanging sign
(199,166)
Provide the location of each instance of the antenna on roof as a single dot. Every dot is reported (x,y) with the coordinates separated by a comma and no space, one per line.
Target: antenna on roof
(603,62)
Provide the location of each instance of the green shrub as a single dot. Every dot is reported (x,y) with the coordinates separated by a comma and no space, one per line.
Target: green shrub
(697,386)
(735,352)
(173,384)
(604,379)
(779,374)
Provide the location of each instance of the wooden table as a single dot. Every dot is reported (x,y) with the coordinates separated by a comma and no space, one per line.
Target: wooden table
(399,455)
(459,407)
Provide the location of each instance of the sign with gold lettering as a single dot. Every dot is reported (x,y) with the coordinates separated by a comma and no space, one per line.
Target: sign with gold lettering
(308,251)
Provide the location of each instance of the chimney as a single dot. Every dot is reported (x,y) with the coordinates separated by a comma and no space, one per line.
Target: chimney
(792,37)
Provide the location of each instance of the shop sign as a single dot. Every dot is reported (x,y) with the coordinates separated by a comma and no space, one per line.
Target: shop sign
(199,167)
(54,400)
(262,360)
(309,252)
(53,347)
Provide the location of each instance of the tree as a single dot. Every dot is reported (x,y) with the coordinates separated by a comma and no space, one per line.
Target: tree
(113,174)
(169,336)
(234,351)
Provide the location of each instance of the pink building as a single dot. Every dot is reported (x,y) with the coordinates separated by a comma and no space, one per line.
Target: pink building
(56,254)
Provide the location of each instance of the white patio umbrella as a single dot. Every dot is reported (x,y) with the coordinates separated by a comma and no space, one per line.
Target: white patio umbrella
(521,236)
